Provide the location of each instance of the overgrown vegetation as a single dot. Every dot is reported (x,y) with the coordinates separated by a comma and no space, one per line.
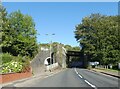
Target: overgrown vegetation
(55,44)
(70,48)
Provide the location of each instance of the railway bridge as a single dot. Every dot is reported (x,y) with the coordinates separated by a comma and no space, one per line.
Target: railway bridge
(75,59)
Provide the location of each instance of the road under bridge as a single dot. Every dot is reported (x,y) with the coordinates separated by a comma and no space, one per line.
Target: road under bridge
(75,59)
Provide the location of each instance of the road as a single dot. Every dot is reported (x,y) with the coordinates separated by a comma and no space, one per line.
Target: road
(74,78)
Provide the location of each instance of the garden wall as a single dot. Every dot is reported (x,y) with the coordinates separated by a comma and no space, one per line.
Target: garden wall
(4,78)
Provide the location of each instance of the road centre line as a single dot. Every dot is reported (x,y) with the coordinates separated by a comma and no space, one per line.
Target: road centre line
(93,86)
(78,73)
(90,84)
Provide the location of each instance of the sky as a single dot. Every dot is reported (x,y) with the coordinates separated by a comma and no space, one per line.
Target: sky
(60,0)
(60,18)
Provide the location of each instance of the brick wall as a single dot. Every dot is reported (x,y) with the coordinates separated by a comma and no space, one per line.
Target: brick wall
(14,76)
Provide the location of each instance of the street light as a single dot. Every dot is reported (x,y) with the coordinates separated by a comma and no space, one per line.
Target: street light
(50,47)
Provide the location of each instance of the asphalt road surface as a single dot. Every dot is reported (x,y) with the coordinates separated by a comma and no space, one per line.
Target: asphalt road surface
(74,78)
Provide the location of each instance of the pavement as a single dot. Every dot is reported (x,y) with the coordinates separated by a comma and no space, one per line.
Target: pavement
(108,72)
(32,78)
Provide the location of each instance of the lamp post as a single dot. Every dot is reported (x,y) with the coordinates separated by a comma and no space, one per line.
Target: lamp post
(50,47)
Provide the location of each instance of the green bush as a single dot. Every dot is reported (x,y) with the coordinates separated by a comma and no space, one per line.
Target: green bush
(6,57)
(13,63)
(115,66)
(26,64)
(12,67)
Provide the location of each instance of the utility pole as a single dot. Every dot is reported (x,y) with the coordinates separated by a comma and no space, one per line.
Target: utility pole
(50,48)
(50,52)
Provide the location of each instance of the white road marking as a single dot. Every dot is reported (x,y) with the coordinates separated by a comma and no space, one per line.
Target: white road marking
(90,84)
(78,73)
(93,86)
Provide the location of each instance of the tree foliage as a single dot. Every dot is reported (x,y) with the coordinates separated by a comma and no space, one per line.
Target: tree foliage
(98,36)
(70,48)
(18,34)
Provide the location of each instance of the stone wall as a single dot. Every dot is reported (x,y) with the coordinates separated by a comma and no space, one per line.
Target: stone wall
(37,63)
(59,56)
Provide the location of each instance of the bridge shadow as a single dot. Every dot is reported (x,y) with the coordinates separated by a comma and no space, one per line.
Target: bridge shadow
(75,59)
(77,64)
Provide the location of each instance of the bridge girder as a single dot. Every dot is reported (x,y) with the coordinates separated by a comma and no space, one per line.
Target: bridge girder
(73,53)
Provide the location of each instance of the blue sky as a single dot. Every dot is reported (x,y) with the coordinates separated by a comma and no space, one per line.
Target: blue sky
(60,17)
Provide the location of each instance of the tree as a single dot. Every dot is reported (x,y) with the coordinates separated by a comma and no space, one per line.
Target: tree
(68,47)
(4,29)
(98,36)
(76,48)
(20,37)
